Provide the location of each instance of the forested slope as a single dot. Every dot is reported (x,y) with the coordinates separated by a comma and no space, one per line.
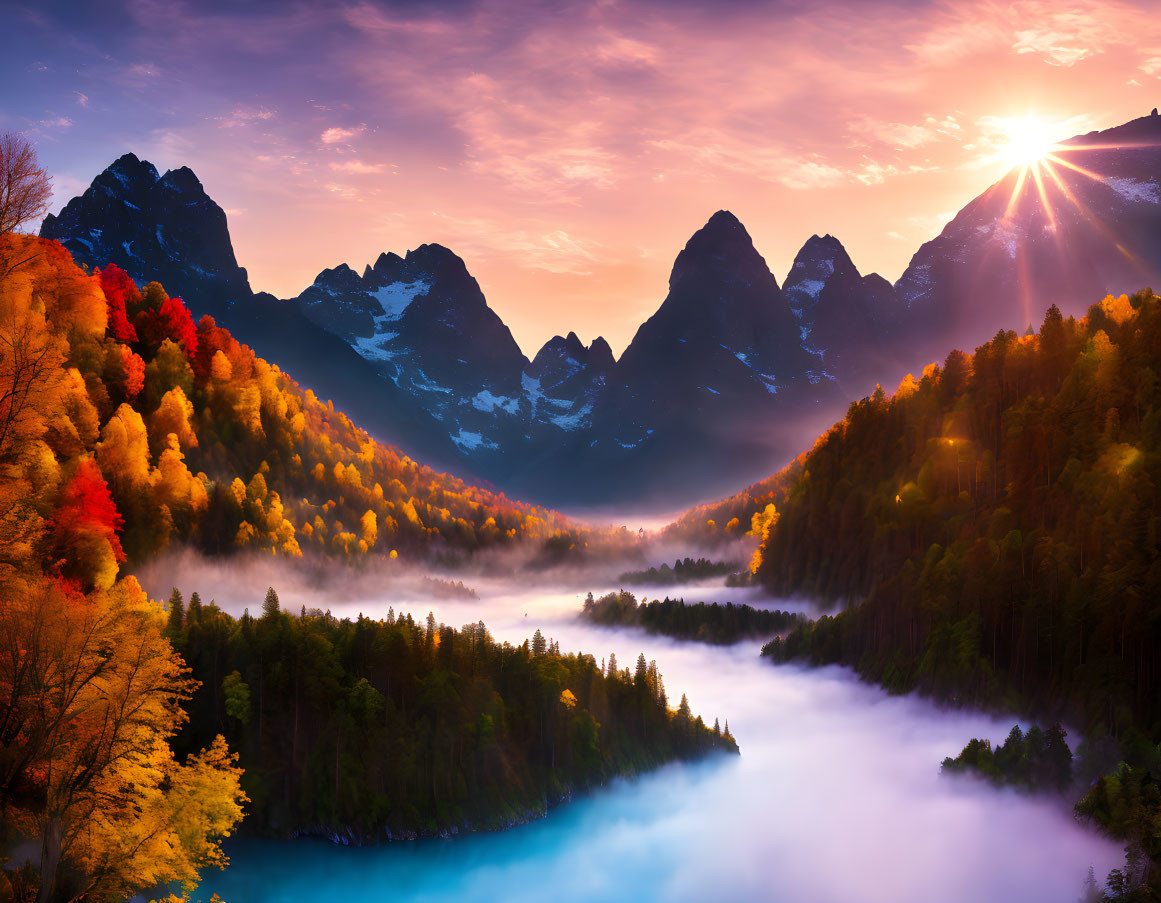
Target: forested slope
(997,520)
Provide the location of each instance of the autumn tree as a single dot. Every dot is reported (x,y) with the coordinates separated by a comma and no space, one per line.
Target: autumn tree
(90,694)
(25,187)
(85,528)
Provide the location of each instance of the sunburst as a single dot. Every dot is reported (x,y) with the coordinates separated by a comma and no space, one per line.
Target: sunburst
(1039,161)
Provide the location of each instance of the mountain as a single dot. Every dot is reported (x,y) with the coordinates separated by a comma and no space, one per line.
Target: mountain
(731,376)
(166,228)
(703,379)
(422,322)
(1083,223)
(848,320)
(574,425)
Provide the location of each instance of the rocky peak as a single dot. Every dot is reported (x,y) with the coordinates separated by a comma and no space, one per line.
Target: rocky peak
(721,249)
(817,264)
(600,354)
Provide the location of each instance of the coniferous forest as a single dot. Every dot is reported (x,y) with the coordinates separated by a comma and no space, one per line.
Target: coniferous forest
(705,622)
(994,526)
(368,730)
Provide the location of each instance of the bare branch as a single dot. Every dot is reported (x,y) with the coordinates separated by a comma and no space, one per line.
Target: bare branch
(25,187)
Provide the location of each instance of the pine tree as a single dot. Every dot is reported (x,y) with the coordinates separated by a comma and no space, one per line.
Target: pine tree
(270,605)
(176,615)
(539,644)
(641,670)
(194,612)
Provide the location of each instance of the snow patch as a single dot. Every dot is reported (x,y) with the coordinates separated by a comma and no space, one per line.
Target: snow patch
(635,443)
(1138,192)
(572,421)
(396,297)
(805,292)
(393,300)
(531,387)
(469,441)
(487,402)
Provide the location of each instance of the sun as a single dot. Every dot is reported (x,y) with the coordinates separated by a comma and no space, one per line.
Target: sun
(1025,140)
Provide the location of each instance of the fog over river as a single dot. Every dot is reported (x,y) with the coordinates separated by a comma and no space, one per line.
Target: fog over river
(836,797)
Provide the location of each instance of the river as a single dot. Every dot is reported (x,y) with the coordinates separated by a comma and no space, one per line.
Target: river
(836,797)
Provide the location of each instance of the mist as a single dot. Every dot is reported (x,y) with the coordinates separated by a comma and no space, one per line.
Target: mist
(837,795)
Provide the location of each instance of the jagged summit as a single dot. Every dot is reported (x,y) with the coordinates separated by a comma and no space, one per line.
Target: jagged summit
(724,245)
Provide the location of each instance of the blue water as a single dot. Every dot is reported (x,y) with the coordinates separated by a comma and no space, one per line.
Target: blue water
(837,798)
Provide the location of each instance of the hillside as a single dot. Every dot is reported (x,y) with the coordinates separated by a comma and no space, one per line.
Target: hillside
(199,439)
(997,523)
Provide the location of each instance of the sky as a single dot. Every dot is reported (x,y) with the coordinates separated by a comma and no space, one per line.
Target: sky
(567,150)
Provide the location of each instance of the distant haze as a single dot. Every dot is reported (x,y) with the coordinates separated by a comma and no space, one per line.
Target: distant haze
(567,151)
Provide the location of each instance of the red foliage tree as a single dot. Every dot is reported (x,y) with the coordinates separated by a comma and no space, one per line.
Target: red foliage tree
(120,292)
(171,320)
(179,325)
(85,511)
(211,338)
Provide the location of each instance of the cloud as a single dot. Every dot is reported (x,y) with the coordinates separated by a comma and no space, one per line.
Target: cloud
(242,115)
(904,135)
(1151,66)
(1057,48)
(874,173)
(138,75)
(82,99)
(335,134)
(550,250)
(358,167)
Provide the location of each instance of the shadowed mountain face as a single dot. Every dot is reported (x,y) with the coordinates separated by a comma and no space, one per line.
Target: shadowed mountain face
(1084,223)
(732,376)
(155,227)
(847,320)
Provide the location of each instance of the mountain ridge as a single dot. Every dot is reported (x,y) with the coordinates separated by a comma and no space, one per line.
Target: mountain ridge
(727,377)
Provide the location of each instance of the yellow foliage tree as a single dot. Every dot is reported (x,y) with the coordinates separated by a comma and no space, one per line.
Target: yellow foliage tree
(89,696)
(370,527)
(123,452)
(173,417)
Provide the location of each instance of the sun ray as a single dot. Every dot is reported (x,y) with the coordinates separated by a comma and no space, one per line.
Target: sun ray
(1044,201)
(1017,190)
(1080,169)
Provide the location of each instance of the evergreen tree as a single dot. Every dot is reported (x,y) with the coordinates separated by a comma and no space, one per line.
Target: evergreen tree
(176,615)
(194,612)
(270,605)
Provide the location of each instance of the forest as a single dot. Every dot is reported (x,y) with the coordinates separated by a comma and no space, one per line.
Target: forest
(683,571)
(994,526)
(370,730)
(704,622)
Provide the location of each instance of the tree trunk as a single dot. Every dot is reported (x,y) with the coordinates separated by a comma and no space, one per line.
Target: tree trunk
(50,853)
